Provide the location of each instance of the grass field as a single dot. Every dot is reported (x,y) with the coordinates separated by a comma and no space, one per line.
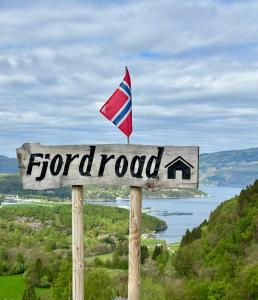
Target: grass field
(12,287)
(151,242)
(103,257)
(174,246)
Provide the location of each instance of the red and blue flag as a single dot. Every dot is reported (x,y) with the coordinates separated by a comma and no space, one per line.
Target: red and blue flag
(118,108)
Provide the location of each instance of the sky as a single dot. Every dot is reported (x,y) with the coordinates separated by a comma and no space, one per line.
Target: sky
(193,65)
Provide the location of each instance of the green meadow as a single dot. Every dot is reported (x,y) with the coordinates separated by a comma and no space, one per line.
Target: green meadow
(12,287)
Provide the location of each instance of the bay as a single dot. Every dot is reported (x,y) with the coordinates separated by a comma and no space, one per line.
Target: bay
(182,213)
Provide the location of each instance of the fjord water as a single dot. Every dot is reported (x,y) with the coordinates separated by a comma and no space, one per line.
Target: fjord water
(199,209)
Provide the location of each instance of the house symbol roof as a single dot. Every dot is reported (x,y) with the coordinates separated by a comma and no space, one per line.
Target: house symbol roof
(179,164)
(176,160)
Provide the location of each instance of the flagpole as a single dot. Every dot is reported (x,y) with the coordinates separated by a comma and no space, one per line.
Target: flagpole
(128,137)
(134,253)
(134,256)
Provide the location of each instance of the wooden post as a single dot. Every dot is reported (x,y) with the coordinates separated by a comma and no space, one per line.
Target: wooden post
(134,243)
(77,242)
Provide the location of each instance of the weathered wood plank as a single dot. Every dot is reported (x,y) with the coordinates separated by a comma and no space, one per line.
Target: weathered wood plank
(45,167)
(78,242)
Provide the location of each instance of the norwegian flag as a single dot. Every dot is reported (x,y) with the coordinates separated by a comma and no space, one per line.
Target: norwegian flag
(118,108)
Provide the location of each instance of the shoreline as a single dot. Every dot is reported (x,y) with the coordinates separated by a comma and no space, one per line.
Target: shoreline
(145,198)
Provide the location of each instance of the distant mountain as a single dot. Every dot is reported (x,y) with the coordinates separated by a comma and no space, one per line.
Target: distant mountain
(229,168)
(8,165)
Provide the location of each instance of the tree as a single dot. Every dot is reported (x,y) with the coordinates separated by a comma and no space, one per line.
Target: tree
(152,290)
(162,259)
(122,248)
(16,268)
(29,293)
(62,286)
(193,235)
(34,272)
(119,262)
(157,251)
(44,282)
(98,262)
(184,261)
(144,253)
(99,285)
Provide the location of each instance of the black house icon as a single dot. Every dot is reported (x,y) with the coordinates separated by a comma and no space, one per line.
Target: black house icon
(179,164)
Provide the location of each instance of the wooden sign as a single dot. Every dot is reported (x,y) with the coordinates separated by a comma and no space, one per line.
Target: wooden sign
(46,167)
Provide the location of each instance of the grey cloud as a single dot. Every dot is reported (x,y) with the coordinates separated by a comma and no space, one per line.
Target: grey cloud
(60,64)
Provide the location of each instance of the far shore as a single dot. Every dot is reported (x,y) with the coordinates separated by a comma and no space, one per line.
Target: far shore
(144,198)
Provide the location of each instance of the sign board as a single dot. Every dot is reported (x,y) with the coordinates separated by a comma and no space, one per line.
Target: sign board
(47,167)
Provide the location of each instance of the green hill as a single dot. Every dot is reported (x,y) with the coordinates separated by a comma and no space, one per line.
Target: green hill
(219,259)
(229,168)
(35,250)
(8,165)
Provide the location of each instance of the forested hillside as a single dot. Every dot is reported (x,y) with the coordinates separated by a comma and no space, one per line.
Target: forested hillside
(229,168)
(35,241)
(219,259)
(8,165)
(216,260)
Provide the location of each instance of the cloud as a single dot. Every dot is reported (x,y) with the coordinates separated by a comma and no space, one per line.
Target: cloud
(194,68)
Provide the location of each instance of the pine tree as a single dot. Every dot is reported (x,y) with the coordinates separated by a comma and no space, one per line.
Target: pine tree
(62,287)
(157,251)
(29,293)
(144,253)
(186,238)
(34,272)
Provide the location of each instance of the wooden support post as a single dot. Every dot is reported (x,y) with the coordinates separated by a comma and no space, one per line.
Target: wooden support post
(134,243)
(77,242)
